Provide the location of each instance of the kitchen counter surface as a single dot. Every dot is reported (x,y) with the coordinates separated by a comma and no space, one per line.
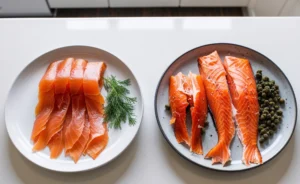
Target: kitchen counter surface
(147,46)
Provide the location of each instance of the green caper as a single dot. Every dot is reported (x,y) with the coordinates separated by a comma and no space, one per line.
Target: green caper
(260,88)
(263,131)
(266,136)
(206,123)
(279,118)
(276,107)
(261,140)
(263,94)
(263,125)
(276,87)
(266,109)
(272,91)
(273,124)
(279,112)
(277,121)
(265,112)
(260,128)
(202,131)
(266,102)
(272,118)
(269,122)
(281,101)
(268,116)
(272,103)
(265,78)
(167,107)
(271,132)
(262,117)
(272,109)
(273,82)
(259,71)
(272,112)
(258,76)
(275,128)
(275,116)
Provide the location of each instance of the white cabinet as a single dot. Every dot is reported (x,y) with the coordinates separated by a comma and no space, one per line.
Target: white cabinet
(144,3)
(268,7)
(291,8)
(201,3)
(78,3)
(24,8)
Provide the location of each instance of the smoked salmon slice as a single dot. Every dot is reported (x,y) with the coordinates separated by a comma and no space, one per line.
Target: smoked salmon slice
(244,97)
(215,83)
(62,98)
(178,90)
(93,77)
(46,101)
(56,145)
(76,151)
(74,129)
(198,111)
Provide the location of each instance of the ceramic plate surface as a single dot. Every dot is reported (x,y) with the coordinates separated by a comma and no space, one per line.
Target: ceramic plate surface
(188,62)
(22,99)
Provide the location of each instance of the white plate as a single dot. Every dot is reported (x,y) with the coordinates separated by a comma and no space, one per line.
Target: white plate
(188,62)
(22,99)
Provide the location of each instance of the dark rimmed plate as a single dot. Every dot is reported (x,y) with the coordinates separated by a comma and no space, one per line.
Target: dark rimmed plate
(188,62)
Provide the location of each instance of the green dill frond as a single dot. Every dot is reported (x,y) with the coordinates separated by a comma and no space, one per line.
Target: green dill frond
(119,107)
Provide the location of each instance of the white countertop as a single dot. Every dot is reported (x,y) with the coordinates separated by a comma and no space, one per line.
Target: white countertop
(147,46)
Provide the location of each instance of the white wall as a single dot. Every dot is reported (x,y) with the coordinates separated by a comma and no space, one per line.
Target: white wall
(77,3)
(24,8)
(291,8)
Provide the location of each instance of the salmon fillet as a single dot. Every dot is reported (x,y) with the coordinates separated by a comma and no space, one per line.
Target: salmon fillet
(75,128)
(214,75)
(198,109)
(93,77)
(46,101)
(178,90)
(244,97)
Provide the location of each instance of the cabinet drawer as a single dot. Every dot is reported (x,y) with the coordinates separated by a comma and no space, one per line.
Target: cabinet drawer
(215,3)
(78,3)
(144,3)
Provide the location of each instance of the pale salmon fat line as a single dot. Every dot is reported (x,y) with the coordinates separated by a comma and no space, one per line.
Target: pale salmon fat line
(188,91)
(63,79)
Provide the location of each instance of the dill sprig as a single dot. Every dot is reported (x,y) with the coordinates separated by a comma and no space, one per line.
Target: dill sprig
(119,106)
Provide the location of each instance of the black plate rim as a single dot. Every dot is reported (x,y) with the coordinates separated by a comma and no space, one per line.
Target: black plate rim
(209,168)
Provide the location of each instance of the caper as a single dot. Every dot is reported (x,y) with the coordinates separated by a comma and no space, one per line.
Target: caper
(271,103)
(272,109)
(260,88)
(266,136)
(263,94)
(272,118)
(281,101)
(272,112)
(202,131)
(275,116)
(279,112)
(265,112)
(276,107)
(259,71)
(276,87)
(266,102)
(273,124)
(271,132)
(261,140)
(206,123)
(277,121)
(269,116)
(263,131)
(262,117)
(258,76)
(272,81)
(269,122)
(167,107)
(275,128)
(265,78)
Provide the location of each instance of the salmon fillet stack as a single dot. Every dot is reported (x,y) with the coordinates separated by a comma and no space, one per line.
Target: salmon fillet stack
(69,113)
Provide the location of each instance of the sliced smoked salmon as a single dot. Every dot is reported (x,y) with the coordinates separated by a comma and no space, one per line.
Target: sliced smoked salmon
(93,76)
(56,145)
(178,100)
(244,97)
(198,109)
(76,76)
(74,129)
(76,151)
(62,80)
(215,83)
(46,101)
